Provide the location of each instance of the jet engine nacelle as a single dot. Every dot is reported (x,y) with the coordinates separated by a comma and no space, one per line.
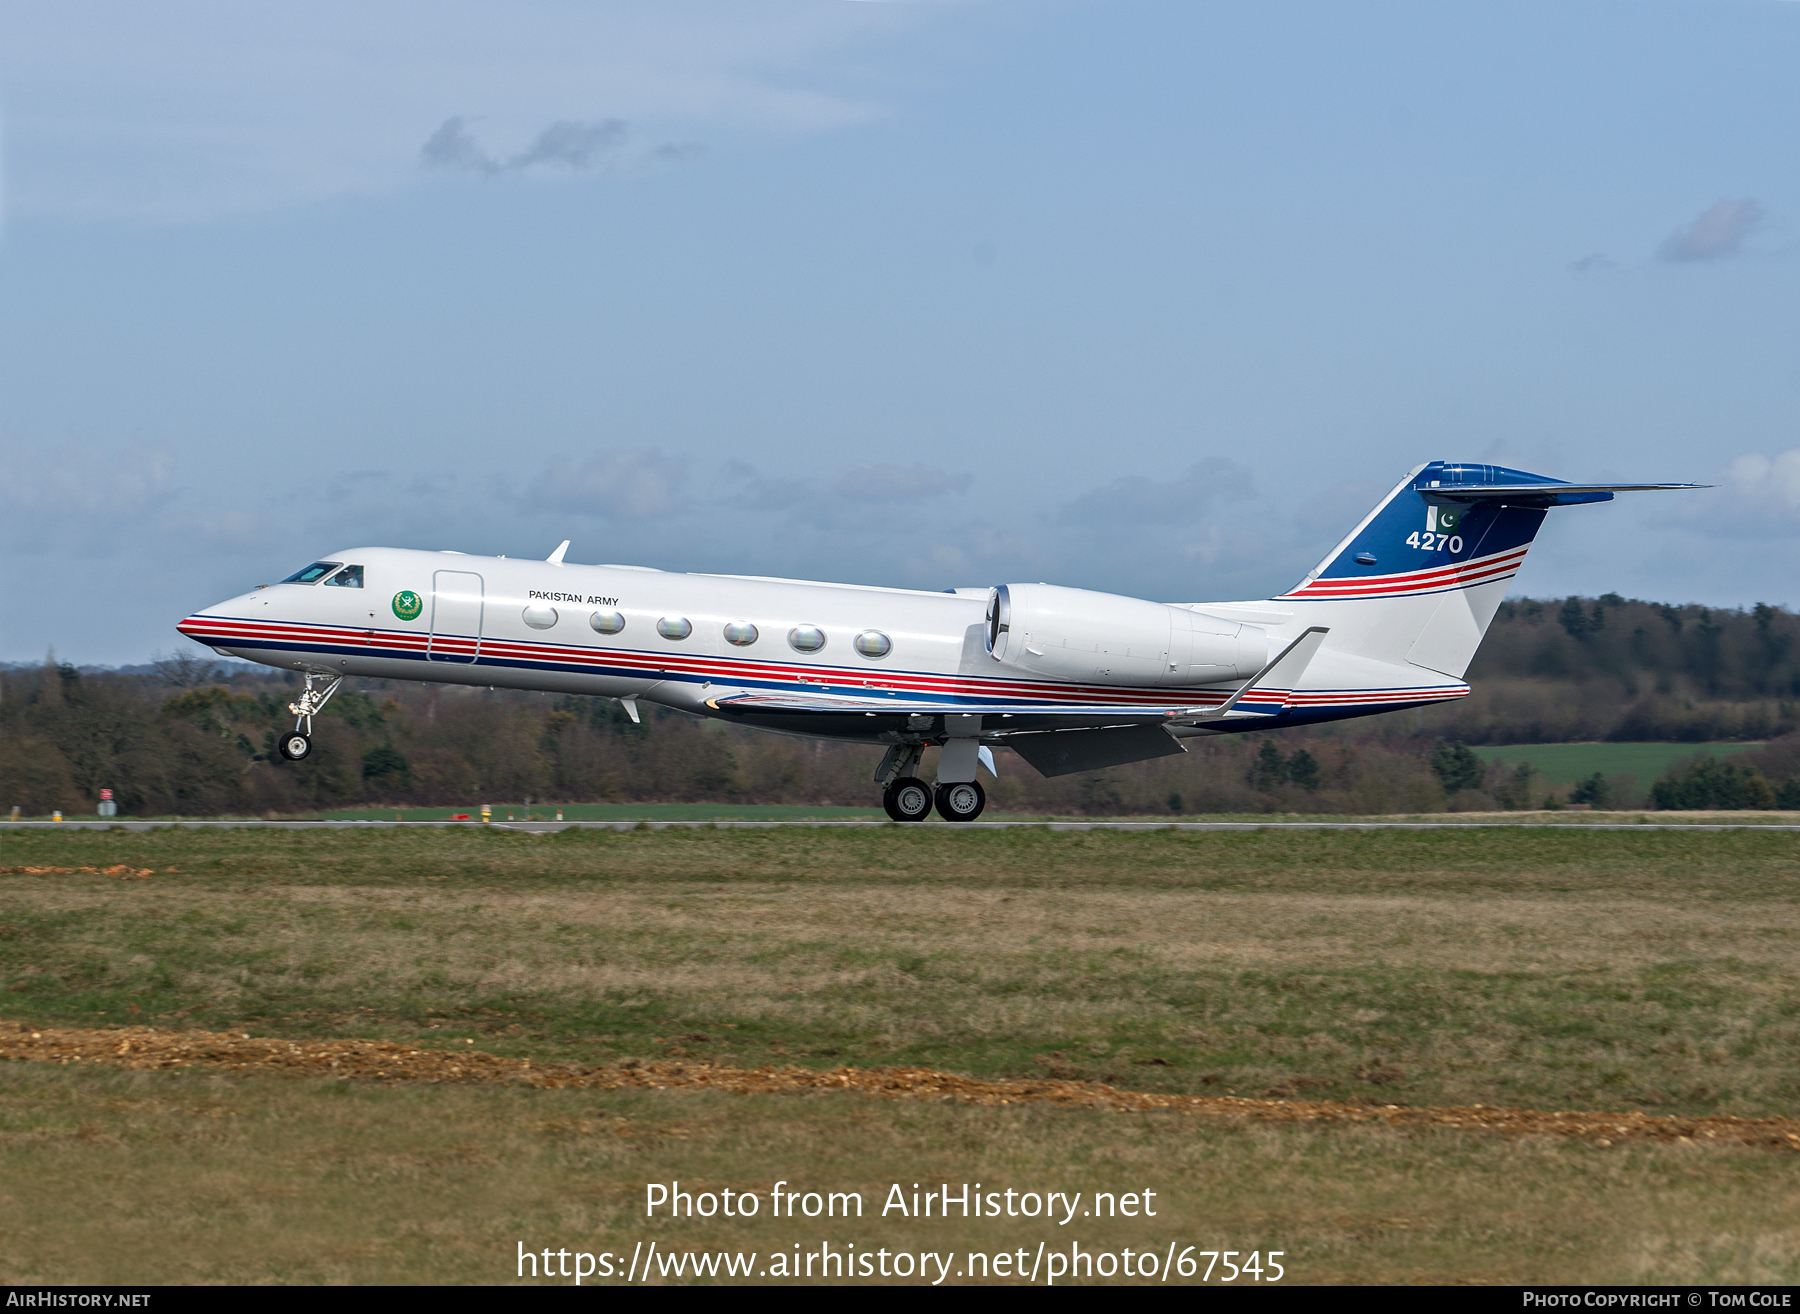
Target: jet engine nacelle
(1073,634)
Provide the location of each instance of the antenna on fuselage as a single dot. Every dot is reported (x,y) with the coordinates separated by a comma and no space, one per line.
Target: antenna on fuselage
(556,557)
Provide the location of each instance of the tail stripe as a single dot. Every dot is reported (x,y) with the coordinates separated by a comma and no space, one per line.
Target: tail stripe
(1460,575)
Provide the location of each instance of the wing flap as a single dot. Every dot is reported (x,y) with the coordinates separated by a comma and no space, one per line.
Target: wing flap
(1064,752)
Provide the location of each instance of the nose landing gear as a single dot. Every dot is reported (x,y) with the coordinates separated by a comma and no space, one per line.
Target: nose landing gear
(296,745)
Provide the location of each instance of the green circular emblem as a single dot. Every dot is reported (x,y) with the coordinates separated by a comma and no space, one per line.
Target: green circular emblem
(408,605)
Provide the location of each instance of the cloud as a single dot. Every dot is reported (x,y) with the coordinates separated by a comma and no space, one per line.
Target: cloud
(868,482)
(755,491)
(840,500)
(1135,500)
(1718,234)
(632,485)
(80,499)
(1756,496)
(572,145)
(1592,263)
(207,109)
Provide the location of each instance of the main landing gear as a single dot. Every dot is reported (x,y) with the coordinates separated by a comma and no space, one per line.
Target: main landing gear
(296,745)
(962,801)
(905,797)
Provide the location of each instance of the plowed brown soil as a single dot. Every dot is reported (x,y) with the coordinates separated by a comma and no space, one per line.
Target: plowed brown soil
(376,1060)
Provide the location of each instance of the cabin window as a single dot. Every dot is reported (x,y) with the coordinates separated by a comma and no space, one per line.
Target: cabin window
(806,638)
(674,627)
(873,643)
(740,633)
(350,577)
(540,618)
(313,573)
(607,622)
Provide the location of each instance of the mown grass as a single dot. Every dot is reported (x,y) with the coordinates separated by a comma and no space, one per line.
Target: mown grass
(109,1176)
(1648,969)
(1656,970)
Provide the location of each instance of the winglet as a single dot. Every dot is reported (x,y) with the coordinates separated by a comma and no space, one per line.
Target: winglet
(556,557)
(1270,689)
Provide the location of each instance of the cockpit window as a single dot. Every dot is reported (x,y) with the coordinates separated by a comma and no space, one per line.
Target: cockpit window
(350,577)
(313,573)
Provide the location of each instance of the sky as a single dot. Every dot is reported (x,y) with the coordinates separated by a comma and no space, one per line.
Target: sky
(1154,298)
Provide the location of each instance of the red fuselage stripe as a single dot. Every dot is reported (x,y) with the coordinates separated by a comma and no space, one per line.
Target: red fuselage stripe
(226,631)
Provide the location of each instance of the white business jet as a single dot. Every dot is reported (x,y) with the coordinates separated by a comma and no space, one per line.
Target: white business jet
(1070,680)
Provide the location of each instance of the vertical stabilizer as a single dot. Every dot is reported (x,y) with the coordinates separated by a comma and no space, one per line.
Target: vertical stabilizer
(1419,579)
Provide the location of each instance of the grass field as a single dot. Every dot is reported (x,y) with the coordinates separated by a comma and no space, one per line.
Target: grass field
(1649,970)
(1567,763)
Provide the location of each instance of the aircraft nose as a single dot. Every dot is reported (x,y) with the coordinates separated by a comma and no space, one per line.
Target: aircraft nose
(211,625)
(201,626)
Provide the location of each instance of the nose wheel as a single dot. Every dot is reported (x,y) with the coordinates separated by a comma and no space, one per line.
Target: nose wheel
(962,801)
(297,743)
(907,799)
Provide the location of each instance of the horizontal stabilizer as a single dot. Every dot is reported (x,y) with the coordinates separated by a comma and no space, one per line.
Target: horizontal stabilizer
(1557,494)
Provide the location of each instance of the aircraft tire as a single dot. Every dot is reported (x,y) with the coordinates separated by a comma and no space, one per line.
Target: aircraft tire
(907,799)
(962,801)
(294,746)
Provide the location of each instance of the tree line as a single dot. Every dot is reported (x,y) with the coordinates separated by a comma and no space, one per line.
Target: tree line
(190,736)
(1579,670)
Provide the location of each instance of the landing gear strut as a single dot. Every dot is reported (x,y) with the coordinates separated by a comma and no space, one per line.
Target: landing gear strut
(297,743)
(903,794)
(907,798)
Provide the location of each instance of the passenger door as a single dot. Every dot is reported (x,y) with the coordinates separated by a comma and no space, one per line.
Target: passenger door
(456,605)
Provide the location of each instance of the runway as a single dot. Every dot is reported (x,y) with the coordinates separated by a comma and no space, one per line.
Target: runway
(551,827)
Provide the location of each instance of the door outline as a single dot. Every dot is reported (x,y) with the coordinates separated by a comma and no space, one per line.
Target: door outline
(456,613)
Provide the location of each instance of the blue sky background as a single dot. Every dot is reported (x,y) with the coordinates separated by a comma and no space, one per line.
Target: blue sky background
(1148,297)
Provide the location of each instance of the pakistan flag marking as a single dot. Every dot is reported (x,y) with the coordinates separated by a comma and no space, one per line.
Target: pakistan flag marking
(408,605)
(1448,517)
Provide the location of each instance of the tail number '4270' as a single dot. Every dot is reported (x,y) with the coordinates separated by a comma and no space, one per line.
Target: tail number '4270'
(1430,542)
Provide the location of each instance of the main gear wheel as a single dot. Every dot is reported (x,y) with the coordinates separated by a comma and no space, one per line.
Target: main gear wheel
(962,801)
(907,799)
